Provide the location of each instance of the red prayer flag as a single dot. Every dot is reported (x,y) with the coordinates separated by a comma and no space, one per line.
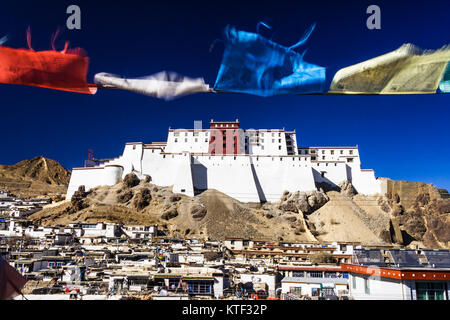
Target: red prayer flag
(61,70)
(11,281)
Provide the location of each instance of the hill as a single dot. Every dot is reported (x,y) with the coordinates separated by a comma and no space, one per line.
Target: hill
(34,177)
(410,214)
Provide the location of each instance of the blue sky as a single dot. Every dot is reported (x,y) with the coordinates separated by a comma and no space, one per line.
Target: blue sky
(402,137)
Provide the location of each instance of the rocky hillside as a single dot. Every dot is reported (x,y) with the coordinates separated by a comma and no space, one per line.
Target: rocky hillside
(419,212)
(34,177)
(335,215)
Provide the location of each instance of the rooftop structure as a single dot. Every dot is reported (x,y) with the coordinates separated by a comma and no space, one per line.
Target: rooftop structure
(399,274)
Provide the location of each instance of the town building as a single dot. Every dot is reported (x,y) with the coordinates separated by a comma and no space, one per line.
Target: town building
(399,275)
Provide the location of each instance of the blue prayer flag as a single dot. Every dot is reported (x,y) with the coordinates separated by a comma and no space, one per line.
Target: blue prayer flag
(255,65)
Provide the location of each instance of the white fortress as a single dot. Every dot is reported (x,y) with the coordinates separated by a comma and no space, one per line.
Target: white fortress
(248,165)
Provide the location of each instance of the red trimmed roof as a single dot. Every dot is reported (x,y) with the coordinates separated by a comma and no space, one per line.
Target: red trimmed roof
(308,268)
(399,273)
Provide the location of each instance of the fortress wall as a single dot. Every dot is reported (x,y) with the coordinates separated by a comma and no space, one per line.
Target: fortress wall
(183,182)
(296,178)
(290,173)
(93,177)
(246,178)
(230,176)
(365,182)
(130,159)
(112,174)
(162,168)
(333,173)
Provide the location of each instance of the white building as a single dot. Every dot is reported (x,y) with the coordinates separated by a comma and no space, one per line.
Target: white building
(399,275)
(140,232)
(314,287)
(248,165)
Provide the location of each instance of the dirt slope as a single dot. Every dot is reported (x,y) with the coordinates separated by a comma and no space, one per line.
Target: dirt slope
(310,217)
(34,177)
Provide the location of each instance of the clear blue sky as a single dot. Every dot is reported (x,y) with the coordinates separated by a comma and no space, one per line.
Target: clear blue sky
(402,137)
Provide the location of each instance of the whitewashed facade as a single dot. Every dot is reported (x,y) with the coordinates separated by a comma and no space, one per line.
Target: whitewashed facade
(248,165)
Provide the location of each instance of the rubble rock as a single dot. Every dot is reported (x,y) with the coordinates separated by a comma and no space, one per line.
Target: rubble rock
(304,202)
(170,213)
(77,201)
(124,197)
(347,188)
(198,211)
(174,198)
(131,180)
(142,199)
(289,205)
(397,210)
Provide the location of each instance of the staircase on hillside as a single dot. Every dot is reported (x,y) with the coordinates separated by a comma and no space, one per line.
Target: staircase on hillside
(367,219)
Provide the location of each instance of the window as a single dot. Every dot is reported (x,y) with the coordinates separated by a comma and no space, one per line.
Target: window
(342,151)
(176,140)
(323,151)
(366,285)
(430,290)
(332,151)
(349,159)
(351,151)
(199,287)
(323,157)
(279,147)
(354,282)
(299,274)
(296,290)
(316,274)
